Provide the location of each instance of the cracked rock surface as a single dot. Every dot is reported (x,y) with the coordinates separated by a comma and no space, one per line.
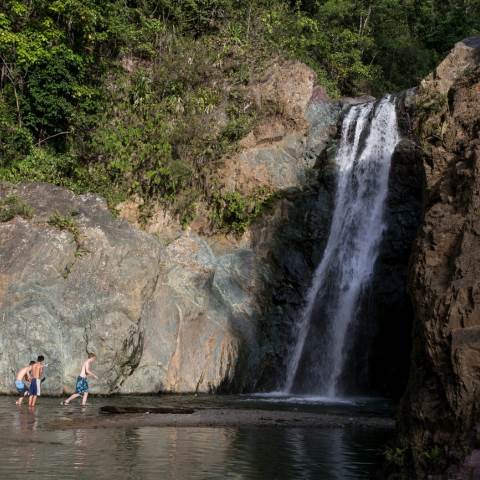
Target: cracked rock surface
(172,318)
(175,310)
(440,408)
(60,304)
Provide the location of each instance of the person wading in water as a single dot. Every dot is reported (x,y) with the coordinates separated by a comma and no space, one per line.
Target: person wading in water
(24,375)
(81,387)
(36,374)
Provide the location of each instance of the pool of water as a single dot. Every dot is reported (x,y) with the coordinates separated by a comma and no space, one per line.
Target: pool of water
(31,449)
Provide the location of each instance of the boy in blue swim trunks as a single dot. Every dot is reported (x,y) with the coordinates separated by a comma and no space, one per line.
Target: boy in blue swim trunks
(36,374)
(81,387)
(23,376)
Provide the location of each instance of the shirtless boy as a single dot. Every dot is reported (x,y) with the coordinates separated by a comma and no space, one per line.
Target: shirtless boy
(36,374)
(24,375)
(81,387)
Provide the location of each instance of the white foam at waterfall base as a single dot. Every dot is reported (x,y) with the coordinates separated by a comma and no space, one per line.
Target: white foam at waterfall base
(369,136)
(282,397)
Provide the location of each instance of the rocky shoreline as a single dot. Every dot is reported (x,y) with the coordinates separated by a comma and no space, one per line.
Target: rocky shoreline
(231,417)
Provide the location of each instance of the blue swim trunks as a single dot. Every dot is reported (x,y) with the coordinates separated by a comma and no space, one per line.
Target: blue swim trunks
(35,387)
(20,386)
(82,385)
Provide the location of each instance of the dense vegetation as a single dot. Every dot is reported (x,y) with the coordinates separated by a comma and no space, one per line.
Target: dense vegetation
(124,97)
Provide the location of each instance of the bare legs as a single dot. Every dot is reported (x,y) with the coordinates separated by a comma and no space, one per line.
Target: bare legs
(20,400)
(76,395)
(70,398)
(32,400)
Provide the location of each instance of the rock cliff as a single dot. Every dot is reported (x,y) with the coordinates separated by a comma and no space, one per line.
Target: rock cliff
(440,411)
(168,309)
(160,318)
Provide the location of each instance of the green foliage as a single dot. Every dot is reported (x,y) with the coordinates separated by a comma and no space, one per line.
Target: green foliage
(44,165)
(237,127)
(12,206)
(47,53)
(434,455)
(15,141)
(196,16)
(67,223)
(395,456)
(234,212)
(147,96)
(163,139)
(53,93)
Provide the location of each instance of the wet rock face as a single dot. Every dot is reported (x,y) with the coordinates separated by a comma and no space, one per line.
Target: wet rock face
(389,303)
(292,239)
(381,338)
(440,409)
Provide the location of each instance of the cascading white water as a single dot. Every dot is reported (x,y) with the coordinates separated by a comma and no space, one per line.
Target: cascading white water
(369,136)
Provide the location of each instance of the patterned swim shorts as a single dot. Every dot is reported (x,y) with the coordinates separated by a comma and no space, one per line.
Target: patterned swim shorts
(82,385)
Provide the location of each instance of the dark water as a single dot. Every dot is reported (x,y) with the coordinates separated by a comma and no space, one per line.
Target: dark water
(30,449)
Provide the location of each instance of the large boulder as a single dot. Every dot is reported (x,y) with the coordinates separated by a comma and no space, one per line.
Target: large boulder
(62,296)
(172,318)
(287,89)
(281,152)
(464,56)
(202,333)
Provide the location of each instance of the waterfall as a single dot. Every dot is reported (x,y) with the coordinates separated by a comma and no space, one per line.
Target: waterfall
(368,138)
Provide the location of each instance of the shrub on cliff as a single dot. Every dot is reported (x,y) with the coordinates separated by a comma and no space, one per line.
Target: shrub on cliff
(146,96)
(12,206)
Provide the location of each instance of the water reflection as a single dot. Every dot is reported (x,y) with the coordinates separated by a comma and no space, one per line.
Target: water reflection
(30,448)
(308,453)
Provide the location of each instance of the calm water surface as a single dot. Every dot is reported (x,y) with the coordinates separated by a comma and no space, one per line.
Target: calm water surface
(30,449)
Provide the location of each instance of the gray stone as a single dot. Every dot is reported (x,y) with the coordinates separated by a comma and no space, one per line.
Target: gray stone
(59,302)
(175,316)
(172,318)
(322,117)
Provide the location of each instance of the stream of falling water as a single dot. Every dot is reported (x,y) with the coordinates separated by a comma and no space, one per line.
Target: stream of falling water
(368,139)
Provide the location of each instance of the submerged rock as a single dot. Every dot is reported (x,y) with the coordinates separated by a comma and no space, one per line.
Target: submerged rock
(128,410)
